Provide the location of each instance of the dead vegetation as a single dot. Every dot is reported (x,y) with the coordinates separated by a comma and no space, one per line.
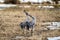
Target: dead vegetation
(11,18)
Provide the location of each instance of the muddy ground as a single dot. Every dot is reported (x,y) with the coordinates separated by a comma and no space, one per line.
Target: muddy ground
(10,19)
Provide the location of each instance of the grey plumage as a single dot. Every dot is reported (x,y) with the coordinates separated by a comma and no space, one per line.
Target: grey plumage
(27,23)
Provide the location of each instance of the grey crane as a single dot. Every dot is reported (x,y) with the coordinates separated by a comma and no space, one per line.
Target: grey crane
(28,24)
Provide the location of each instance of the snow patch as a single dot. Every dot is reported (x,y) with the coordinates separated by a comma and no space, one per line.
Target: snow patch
(53,38)
(7,5)
(54,25)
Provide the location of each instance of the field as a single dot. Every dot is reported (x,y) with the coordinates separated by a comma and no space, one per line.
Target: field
(10,19)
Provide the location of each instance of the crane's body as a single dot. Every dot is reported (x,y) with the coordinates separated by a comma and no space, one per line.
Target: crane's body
(28,23)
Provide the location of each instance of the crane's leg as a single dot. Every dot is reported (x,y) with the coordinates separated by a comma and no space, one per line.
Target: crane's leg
(25,31)
(22,30)
(32,31)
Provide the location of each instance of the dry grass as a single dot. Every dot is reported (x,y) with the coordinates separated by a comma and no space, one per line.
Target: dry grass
(11,18)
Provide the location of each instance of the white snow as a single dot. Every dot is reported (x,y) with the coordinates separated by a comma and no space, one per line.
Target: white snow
(20,6)
(35,0)
(7,5)
(3,6)
(38,6)
(54,25)
(45,7)
(27,6)
(1,0)
(53,38)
